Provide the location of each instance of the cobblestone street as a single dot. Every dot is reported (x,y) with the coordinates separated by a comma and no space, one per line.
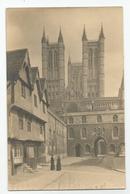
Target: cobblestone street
(72,176)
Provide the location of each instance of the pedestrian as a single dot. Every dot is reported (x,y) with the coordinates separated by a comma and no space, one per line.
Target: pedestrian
(58,164)
(52,163)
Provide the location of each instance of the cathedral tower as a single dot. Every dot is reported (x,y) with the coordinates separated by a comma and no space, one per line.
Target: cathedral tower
(101,63)
(85,63)
(93,66)
(53,66)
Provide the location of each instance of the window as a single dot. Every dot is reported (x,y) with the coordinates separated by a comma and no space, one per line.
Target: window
(20,122)
(43,107)
(90,56)
(83,119)
(17,151)
(23,90)
(99,118)
(29,126)
(115,118)
(41,129)
(35,100)
(71,120)
(115,132)
(71,133)
(84,133)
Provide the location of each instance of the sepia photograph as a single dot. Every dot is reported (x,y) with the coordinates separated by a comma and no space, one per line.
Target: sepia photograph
(65,98)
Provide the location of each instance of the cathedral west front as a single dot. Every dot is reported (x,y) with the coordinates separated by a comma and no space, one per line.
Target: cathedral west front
(95,123)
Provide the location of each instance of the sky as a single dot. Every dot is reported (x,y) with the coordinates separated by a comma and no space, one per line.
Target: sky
(24,29)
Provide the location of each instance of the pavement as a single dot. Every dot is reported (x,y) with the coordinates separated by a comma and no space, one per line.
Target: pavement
(76,173)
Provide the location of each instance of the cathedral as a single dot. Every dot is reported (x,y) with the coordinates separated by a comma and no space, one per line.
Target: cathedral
(95,123)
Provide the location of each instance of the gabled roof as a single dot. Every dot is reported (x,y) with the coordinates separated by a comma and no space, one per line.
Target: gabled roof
(15,60)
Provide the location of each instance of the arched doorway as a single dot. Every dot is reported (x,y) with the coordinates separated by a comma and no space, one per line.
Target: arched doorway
(100,147)
(78,150)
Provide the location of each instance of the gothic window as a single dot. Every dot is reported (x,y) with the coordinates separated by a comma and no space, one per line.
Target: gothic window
(90,57)
(115,118)
(55,60)
(71,133)
(50,59)
(84,119)
(71,120)
(99,118)
(115,132)
(84,133)
(95,56)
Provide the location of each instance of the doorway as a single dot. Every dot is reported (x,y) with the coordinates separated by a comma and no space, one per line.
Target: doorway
(100,147)
(78,150)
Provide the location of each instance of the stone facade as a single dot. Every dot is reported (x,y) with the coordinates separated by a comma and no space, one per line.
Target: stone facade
(56,136)
(87,129)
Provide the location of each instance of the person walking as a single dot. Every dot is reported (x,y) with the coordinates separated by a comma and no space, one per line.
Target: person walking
(52,163)
(58,164)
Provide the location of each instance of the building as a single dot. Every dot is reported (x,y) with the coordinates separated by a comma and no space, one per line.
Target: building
(86,78)
(28,115)
(56,136)
(83,103)
(53,66)
(95,132)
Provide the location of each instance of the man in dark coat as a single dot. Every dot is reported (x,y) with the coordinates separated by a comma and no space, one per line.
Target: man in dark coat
(58,164)
(52,163)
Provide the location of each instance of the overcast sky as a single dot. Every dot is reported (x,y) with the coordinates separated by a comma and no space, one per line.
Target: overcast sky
(25,28)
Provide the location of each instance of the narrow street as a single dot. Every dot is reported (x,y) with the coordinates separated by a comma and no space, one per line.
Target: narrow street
(73,176)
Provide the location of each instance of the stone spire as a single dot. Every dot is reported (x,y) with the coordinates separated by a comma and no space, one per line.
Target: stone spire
(101,35)
(44,35)
(60,38)
(84,37)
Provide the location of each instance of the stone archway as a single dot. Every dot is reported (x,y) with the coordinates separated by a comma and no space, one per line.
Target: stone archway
(78,150)
(100,146)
